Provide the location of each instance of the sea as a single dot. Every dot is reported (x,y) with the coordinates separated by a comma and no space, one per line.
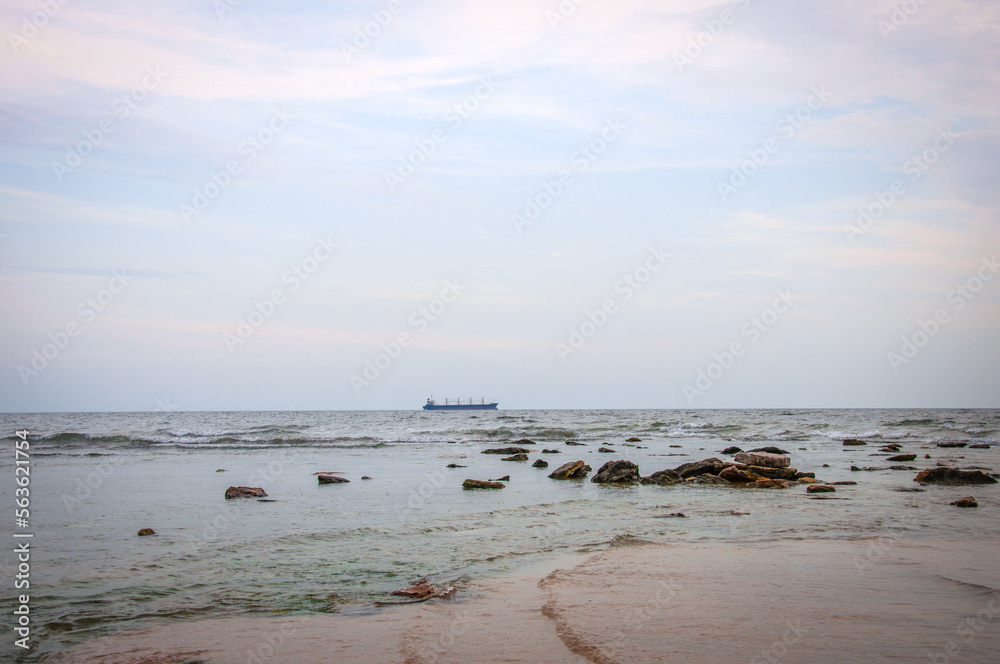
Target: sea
(96,479)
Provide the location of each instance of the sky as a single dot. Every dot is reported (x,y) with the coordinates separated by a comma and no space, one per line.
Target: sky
(253,205)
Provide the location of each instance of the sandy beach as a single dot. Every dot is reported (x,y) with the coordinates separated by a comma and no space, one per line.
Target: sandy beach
(879,599)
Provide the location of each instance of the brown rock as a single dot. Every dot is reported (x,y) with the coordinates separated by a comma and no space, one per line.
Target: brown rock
(771,484)
(771,473)
(540,463)
(968,501)
(979,446)
(953,476)
(365,477)
(820,488)
(737,475)
(481,484)
(523,441)
(711,466)
(418,591)
(807,480)
(854,442)
(150,531)
(517,457)
(890,448)
(771,450)
(454,465)
(551,451)
(633,439)
(731,450)
(843,483)
(505,478)
(765,459)
(573,442)
(952,444)
(570,471)
(506,450)
(662,478)
(617,472)
(332,479)
(606,450)
(902,457)
(245,492)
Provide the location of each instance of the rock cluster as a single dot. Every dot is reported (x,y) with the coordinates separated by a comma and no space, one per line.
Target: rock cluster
(617,472)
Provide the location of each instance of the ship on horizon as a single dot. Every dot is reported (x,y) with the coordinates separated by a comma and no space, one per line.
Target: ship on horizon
(458,405)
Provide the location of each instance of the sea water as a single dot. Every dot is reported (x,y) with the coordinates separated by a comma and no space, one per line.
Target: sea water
(96,479)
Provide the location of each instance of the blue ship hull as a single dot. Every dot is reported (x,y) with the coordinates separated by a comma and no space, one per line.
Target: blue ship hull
(462,406)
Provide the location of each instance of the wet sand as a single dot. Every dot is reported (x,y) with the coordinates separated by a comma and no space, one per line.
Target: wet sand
(886,599)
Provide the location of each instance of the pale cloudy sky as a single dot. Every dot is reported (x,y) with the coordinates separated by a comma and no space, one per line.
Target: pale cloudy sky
(544,199)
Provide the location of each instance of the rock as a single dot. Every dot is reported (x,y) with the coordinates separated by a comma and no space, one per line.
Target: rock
(771,450)
(953,476)
(266,500)
(854,441)
(617,472)
(672,515)
(662,478)
(799,476)
(771,484)
(807,480)
(221,470)
(365,477)
(909,489)
(979,446)
(245,492)
(766,459)
(820,488)
(423,590)
(868,468)
(952,444)
(523,441)
(902,467)
(150,531)
(633,439)
(607,450)
(902,457)
(927,456)
(331,479)
(454,465)
(731,450)
(770,473)
(517,457)
(711,466)
(968,501)
(570,471)
(707,479)
(540,463)
(551,451)
(890,448)
(843,483)
(506,450)
(826,465)
(573,442)
(505,478)
(676,446)
(737,475)
(481,484)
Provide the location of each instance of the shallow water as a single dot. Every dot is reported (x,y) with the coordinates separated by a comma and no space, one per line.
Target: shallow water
(98,478)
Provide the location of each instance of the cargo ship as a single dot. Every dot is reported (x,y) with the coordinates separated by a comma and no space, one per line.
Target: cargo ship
(458,405)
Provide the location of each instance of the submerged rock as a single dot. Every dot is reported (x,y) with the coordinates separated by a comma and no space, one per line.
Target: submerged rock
(505,478)
(617,472)
(573,442)
(662,478)
(820,488)
(771,450)
(570,471)
(710,466)
(890,448)
(455,465)
(523,441)
(633,439)
(506,450)
(517,457)
(146,531)
(902,457)
(551,451)
(902,467)
(220,470)
(731,450)
(766,459)
(424,590)
(968,501)
(979,446)
(707,479)
(953,476)
(848,483)
(854,441)
(245,492)
(868,468)
(540,463)
(607,450)
(481,484)
(365,477)
(952,444)
(332,479)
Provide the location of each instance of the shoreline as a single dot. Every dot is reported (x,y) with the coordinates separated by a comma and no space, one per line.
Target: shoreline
(825,600)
